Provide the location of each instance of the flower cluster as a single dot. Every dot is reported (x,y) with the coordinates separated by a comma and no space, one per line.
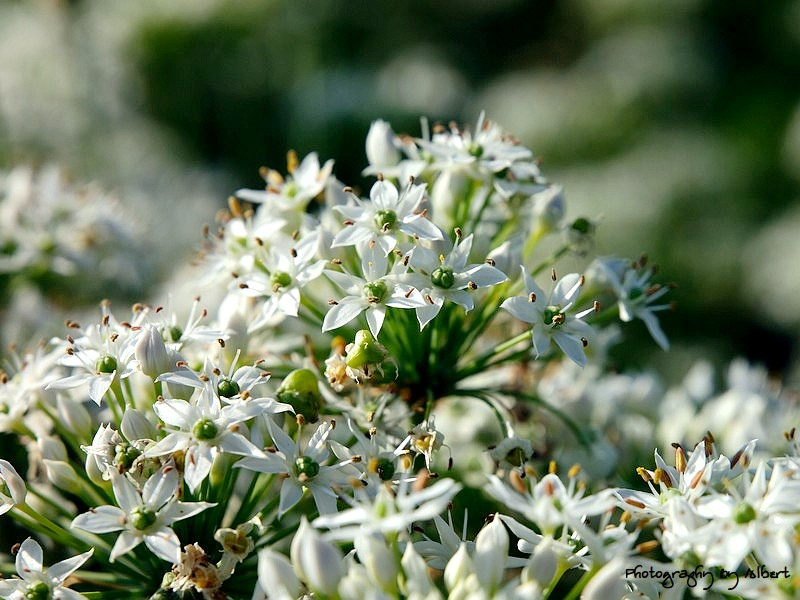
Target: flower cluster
(284,432)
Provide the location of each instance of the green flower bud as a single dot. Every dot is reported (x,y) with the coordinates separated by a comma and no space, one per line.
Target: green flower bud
(300,389)
(106,364)
(141,518)
(305,466)
(582,226)
(124,455)
(385,220)
(205,429)
(227,388)
(38,590)
(366,350)
(443,277)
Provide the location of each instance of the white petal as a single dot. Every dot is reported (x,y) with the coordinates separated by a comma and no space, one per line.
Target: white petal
(160,488)
(350,235)
(653,326)
(198,465)
(375,317)
(126,542)
(174,441)
(571,346)
(291,493)
(182,510)
(126,494)
(175,412)
(421,227)
(485,275)
(102,519)
(165,544)
(522,309)
(344,312)
(428,312)
(98,386)
(61,570)
(541,340)
(29,558)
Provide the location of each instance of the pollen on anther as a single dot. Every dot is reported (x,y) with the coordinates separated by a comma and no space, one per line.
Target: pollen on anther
(332,302)
(532,297)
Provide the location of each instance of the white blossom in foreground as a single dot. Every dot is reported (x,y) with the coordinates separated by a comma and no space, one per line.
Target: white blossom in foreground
(143,516)
(40,582)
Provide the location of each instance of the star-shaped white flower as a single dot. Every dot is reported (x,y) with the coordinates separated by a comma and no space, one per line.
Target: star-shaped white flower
(636,295)
(38,581)
(305,182)
(143,516)
(551,317)
(387,214)
(202,429)
(441,277)
(304,469)
(374,294)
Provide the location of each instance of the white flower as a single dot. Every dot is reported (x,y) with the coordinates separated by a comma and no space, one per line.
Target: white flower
(143,516)
(441,277)
(316,561)
(486,151)
(636,295)
(289,268)
(103,355)
(389,511)
(551,504)
(12,487)
(307,180)
(374,294)
(386,215)
(550,316)
(203,429)
(761,521)
(303,469)
(37,580)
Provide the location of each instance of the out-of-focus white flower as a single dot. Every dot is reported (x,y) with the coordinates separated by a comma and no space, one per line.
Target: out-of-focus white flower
(276,577)
(38,581)
(12,487)
(306,181)
(381,147)
(389,511)
(316,561)
(491,554)
(636,295)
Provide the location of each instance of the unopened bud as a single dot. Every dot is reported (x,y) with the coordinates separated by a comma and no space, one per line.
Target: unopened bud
(300,389)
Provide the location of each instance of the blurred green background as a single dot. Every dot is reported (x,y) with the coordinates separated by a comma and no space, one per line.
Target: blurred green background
(677,123)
